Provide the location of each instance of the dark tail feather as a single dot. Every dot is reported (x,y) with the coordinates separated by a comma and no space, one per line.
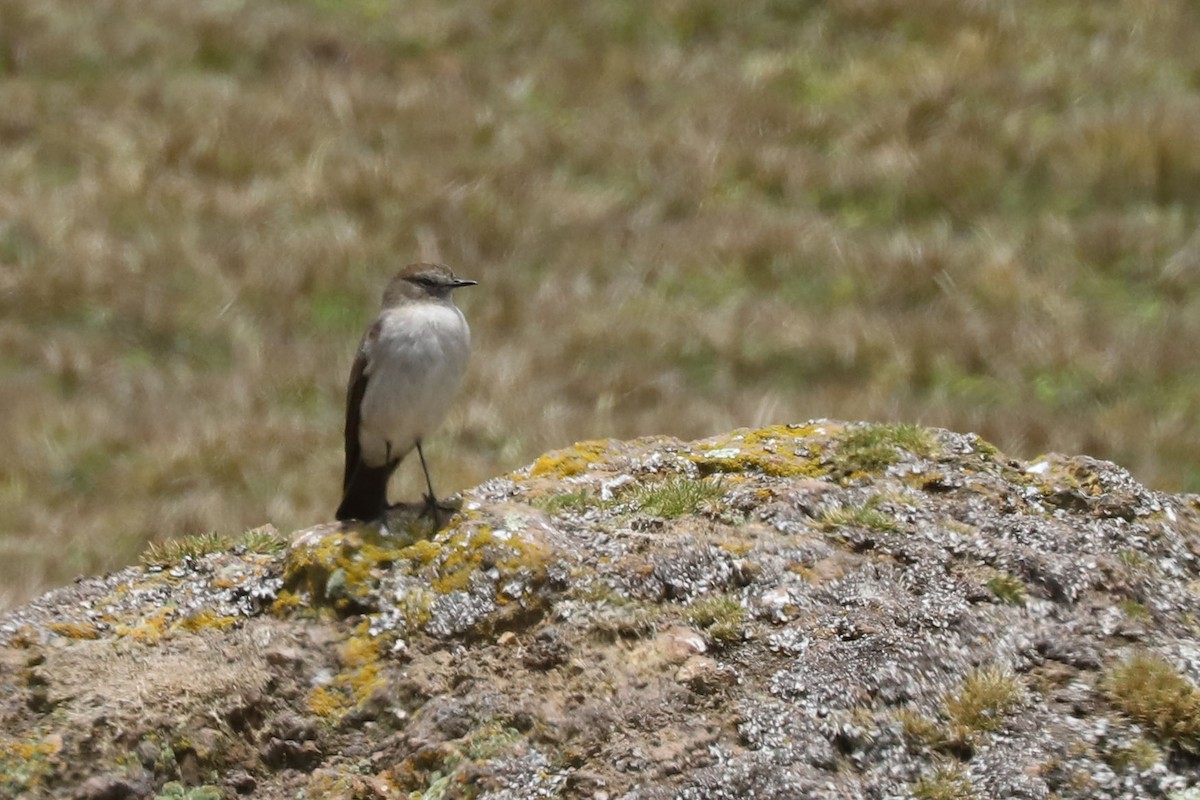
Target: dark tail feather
(366,493)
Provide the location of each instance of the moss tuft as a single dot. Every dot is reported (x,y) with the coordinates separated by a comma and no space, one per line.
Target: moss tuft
(720,615)
(1156,696)
(948,782)
(264,539)
(173,551)
(1007,588)
(873,448)
(866,516)
(979,705)
(574,502)
(1139,755)
(677,496)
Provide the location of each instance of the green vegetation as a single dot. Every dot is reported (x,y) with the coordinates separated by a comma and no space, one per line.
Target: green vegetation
(1007,588)
(1140,755)
(678,495)
(25,764)
(173,551)
(173,790)
(948,782)
(684,217)
(875,447)
(574,502)
(1133,609)
(979,705)
(976,707)
(720,615)
(1159,698)
(866,516)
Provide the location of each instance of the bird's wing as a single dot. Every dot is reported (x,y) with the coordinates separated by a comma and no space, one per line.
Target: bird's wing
(355,390)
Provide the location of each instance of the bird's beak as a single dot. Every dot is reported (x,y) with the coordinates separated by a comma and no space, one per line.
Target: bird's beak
(459,283)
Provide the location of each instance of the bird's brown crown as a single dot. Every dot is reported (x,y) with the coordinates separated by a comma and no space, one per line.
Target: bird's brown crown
(422,282)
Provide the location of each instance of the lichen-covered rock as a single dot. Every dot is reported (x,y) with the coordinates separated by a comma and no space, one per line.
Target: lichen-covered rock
(821,610)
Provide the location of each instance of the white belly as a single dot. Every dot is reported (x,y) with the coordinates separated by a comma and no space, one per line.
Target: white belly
(414,369)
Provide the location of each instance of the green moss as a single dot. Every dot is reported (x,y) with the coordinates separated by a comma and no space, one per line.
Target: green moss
(920,728)
(1133,609)
(873,448)
(619,617)
(1158,697)
(173,790)
(264,540)
(491,741)
(948,782)
(865,516)
(576,502)
(173,551)
(1131,558)
(1007,588)
(677,496)
(720,615)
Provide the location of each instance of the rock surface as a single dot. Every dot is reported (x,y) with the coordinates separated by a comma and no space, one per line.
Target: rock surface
(822,610)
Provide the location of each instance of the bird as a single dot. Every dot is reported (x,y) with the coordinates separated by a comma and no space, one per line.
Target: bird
(408,368)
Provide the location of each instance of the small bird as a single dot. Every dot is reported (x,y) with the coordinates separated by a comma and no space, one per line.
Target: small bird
(408,368)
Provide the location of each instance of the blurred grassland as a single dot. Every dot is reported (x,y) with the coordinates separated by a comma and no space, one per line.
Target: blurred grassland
(684,216)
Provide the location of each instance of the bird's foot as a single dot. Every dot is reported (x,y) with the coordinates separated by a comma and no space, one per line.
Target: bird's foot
(440,510)
(432,506)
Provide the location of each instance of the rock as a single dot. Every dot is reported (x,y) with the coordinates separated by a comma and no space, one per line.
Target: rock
(823,610)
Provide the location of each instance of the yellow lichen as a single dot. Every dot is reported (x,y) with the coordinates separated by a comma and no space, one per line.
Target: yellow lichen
(339,569)
(771,451)
(25,763)
(569,461)
(76,630)
(360,678)
(149,630)
(205,619)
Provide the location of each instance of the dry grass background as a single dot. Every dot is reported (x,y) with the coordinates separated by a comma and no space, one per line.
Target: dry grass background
(685,217)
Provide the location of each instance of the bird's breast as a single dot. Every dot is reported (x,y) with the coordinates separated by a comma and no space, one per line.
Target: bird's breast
(414,368)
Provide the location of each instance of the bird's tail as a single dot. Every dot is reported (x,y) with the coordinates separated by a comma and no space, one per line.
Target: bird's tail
(366,492)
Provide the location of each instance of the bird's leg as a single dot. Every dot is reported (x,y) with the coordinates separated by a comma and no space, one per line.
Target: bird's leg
(431,503)
(383,513)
